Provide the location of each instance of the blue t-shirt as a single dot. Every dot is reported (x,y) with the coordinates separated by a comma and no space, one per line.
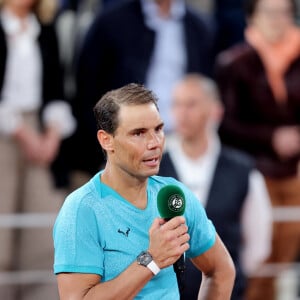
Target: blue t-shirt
(98,232)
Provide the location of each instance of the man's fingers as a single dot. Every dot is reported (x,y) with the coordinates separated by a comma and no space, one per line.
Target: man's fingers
(174,223)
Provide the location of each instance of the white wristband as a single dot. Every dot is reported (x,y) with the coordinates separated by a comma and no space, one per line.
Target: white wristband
(153,267)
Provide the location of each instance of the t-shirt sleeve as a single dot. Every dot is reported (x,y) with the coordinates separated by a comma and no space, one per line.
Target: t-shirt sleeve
(201,230)
(77,245)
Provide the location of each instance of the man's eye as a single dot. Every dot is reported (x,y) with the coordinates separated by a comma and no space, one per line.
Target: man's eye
(160,128)
(138,133)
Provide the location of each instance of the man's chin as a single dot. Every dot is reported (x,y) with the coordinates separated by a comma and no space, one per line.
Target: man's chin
(153,172)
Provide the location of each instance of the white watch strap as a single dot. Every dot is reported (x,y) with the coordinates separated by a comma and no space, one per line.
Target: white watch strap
(153,267)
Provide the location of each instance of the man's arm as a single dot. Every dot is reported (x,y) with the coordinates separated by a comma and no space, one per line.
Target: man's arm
(75,286)
(167,242)
(218,272)
(257,222)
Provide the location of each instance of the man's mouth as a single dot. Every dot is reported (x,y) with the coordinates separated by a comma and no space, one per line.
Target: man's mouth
(153,161)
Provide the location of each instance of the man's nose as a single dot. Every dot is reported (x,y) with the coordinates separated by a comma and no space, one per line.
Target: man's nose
(154,140)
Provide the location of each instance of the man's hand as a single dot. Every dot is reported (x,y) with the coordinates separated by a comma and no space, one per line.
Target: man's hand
(38,148)
(168,240)
(286,141)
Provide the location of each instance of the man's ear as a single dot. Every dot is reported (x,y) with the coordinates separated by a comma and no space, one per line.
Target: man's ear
(217,112)
(105,140)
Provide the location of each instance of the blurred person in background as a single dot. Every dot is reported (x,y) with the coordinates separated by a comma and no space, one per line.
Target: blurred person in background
(229,19)
(142,41)
(71,22)
(34,119)
(259,84)
(230,22)
(232,191)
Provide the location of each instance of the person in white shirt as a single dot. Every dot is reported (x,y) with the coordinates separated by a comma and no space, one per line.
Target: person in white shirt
(225,180)
(34,120)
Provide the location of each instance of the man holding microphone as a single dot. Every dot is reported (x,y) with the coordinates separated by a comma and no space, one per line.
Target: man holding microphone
(110,242)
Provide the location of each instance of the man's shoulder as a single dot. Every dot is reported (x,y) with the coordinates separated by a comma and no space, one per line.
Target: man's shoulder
(81,196)
(235,54)
(119,11)
(199,20)
(237,157)
(125,16)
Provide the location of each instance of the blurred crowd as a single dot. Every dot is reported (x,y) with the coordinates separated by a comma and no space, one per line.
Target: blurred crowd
(227,75)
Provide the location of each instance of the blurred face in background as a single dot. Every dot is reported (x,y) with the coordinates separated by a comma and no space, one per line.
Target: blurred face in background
(19,7)
(193,109)
(20,3)
(273,18)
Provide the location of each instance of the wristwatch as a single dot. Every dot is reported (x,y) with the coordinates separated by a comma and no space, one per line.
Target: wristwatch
(145,259)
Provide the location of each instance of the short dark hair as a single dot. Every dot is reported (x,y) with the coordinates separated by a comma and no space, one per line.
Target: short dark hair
(106,110)
(251,5)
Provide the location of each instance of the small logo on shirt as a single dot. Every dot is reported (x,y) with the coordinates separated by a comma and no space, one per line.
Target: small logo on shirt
(125,233)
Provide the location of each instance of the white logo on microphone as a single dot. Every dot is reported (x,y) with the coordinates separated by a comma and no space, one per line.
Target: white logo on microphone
(175,203)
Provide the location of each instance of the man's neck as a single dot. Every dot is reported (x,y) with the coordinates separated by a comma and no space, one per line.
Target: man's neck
(195,147)
(132,189)
(164,7)
(19,11)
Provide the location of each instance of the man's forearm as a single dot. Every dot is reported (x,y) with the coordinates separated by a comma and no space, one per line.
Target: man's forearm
(218,272)
(89,286)
(126,286)
(217,287)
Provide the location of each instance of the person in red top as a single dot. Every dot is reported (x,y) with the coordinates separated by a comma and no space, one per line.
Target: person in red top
(259,85)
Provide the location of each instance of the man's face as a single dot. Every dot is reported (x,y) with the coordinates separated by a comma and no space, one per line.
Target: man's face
(22,3)
(191,110)
(273,18)
(139,140)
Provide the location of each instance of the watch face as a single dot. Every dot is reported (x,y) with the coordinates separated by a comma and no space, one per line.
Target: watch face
(144,258)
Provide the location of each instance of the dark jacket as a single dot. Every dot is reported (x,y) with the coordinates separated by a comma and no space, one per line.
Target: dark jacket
(52,81)
(226,198)
(251,111)
(117,51)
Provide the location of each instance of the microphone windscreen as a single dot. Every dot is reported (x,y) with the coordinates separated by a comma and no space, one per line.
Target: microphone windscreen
(170,201)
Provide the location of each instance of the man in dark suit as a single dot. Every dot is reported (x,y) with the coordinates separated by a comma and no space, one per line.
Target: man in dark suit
(225,181)
(149,42)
